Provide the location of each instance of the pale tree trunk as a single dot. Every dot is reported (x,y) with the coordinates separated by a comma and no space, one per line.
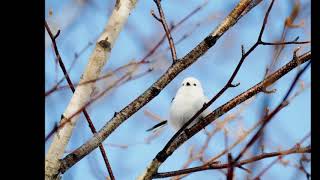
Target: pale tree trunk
(83,92)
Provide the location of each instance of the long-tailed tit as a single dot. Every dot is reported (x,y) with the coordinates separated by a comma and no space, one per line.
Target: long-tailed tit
(187,102)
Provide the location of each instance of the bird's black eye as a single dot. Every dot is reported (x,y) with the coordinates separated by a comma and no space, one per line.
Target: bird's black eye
(194,84)
(188,84)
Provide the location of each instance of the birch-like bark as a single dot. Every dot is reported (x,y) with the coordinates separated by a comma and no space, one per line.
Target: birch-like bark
(82,93)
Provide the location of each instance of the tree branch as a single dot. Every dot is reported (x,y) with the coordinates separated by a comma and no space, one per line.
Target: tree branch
(229,83)
(156,88)
(142,61)
(163,155)
(240,163)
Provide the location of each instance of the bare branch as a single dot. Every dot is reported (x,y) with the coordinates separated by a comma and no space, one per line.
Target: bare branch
(228,84)
(184,136)
(285,43)
(243,162)
(155,89)
(142,61)
(162,19)
(152,51)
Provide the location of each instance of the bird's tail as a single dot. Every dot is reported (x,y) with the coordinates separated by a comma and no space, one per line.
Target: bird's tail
(158,126)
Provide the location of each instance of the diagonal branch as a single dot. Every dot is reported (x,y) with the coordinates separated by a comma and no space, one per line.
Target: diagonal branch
(163,155)
(162,20)
(122,80)
(86,114)
(156,88)
(229,84)
(213,160)
(142,61)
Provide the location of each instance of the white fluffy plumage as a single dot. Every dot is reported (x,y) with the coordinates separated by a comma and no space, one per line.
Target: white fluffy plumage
(188,101)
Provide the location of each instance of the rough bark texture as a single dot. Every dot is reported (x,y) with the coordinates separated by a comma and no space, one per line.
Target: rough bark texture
(156,88)
(82,93)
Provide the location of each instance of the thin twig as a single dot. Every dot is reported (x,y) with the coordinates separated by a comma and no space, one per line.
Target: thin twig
(285,43)
(92,128)
(162,19)
(153,50)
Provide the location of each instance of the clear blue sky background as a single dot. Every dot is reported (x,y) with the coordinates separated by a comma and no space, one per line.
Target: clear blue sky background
(82,23)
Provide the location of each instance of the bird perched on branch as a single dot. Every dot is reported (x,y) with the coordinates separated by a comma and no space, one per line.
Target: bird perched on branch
(187,102)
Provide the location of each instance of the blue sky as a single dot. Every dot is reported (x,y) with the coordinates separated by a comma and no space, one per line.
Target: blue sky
(80,24)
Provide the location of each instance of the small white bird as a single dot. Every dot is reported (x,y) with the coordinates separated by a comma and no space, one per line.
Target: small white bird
(187,102)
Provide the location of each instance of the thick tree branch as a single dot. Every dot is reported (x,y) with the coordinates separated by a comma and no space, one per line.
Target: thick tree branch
(163,155)
(135,63)
(82,93)
(86,114)
(229,83)
(240,163)
(156,88)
